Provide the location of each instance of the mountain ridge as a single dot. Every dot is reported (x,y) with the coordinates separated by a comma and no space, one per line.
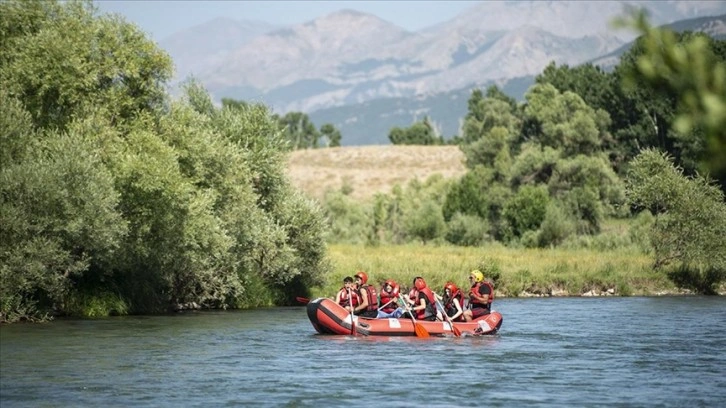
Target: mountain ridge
(350,58)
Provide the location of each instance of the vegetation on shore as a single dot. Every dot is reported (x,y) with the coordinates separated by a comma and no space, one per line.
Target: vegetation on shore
(515,272)
(116,199)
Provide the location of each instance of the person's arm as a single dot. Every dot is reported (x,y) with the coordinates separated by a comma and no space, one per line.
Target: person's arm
(363,300)
(421,305)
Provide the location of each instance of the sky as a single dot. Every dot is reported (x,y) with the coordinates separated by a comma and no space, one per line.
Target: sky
(161,18)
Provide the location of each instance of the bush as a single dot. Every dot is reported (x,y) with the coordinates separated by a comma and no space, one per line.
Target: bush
(690,212)
(640,231)
(425,222)
(467,230)
(556,226)
(526,210)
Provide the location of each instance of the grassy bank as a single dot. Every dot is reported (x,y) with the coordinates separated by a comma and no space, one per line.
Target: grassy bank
(516,272)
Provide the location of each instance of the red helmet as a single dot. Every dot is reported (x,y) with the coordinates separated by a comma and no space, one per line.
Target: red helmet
(419,283)
(451,287)
(394,286)
(363,276)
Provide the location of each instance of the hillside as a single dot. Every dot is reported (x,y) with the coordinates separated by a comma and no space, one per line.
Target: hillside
(370,169)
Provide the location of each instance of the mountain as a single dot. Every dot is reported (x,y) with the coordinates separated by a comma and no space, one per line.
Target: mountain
(343,63)
(203,46)
(370,122)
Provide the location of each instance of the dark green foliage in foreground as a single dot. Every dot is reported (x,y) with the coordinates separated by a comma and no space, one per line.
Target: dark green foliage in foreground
(114,199)
(690,219)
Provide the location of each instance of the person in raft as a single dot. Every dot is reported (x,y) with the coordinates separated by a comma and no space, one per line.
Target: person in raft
(453,302)
(388,300)
(423,300)
(368,306)
(347,296)
(481,296)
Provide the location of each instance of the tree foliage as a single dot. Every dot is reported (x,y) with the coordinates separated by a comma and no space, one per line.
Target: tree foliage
(690,213)
(113,194)
(420,133)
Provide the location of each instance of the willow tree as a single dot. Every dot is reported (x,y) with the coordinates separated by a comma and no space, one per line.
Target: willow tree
(688,233)
(116,199)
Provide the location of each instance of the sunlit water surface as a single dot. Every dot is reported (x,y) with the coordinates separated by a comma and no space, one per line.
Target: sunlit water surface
(668,351)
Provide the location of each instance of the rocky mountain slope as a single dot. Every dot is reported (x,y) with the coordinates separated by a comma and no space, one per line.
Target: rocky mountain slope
(351,57)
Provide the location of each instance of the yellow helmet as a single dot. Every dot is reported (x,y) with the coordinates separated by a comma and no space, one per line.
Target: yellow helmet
(478,276)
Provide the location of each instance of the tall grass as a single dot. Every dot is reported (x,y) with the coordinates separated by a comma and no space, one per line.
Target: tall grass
(515,272)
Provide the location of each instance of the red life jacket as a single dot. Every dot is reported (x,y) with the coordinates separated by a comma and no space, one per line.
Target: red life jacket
(387,297)
(449,306)
(475,290)
(344,297)
(430,301)
(372,296)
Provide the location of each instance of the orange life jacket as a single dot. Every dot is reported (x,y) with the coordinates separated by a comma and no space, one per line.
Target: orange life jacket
(372,296)
(344,297)
(474,302)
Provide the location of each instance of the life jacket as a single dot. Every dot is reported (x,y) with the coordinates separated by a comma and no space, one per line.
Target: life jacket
(430,300)
(387,297)
(372,296)
(473,302)
(344,297)
(449,306)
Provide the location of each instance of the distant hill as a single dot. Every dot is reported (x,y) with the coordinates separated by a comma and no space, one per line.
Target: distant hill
(370,122)
(349,57)
(366,75)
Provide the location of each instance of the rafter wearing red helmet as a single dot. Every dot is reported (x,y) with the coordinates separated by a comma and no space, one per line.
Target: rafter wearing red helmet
(368,306)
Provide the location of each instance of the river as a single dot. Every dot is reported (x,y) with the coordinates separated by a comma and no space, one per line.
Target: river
(622,352)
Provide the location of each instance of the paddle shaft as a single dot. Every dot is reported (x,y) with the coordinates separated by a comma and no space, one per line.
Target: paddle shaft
(352,321)
(418,329)
(456,331)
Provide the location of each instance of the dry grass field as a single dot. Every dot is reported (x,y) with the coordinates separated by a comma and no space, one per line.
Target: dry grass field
(370,169)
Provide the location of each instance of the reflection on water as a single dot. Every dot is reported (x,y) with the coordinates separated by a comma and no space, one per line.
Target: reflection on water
(550,352)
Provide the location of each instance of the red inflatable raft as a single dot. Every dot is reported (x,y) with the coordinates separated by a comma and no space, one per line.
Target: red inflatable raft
(328,317)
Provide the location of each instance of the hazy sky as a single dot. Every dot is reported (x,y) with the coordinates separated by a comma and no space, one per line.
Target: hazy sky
(164,17)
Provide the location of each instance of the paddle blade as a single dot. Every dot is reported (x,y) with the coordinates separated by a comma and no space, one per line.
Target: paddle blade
(421,331)
(302,300)
(456,330)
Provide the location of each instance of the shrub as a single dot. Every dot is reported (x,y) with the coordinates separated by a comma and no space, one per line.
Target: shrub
(556,226)
(526,210)
(467,230)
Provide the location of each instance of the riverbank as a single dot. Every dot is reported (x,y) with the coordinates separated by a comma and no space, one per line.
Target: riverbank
(516,272)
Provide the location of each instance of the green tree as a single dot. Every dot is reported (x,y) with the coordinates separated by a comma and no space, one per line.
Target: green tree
(690,213)
(526,210)
(420,133)
(113,195)
(331,134)
(299,131)
(564,120)
(59,59)
(692,67)
(58,211)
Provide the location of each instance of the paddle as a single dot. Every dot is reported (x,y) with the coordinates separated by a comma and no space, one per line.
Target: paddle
(302,300)
(417,327)
(454,329)
(352,322)
(386,304)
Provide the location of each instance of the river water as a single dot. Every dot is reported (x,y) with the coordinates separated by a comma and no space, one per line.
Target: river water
(641,351)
